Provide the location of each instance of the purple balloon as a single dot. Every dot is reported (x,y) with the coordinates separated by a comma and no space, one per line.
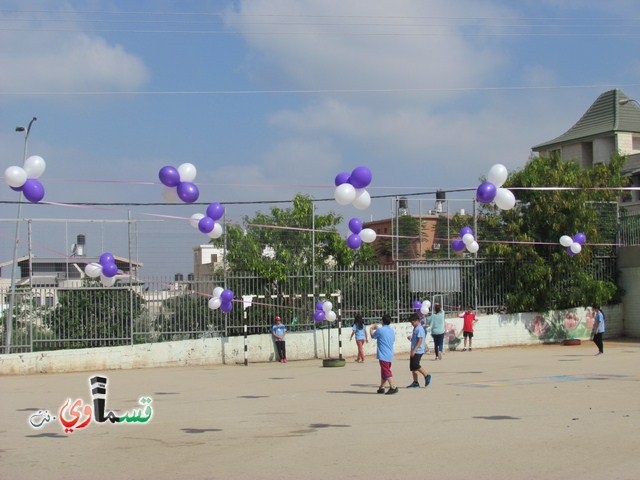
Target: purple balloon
(215,211)
(109,270)
(206,224)
(16,189)
(319,316)
(580,238)
(33,190)
(319,305)
(465,230)
(226,296)
(355,225)
(342,177)
(486,192)
(169,176)
(188,192)
(226,307)
(570,252)
(457,245)
(354,241)
(106,258)
(360,177)
(417,304)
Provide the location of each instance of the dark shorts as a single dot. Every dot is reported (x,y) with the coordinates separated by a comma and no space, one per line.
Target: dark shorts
(385,370)
(414,362)
(467,334)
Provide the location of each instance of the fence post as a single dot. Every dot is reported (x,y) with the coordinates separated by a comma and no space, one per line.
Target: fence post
(244,317)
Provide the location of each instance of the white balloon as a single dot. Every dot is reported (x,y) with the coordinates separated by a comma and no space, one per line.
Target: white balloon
(327,306)
(107,281)
(15,176)
(566,240)
(467,239)
(473,247)
(505,199)
(34,166)
(217,292)
(498,175)
(424,310)
(330,316)
(345,194)
(217,231)
(362,200)
(170,195)
(367,235)
(214,303)
(93,270)
(195,219)
(187,172)
(576,247)
(426,304)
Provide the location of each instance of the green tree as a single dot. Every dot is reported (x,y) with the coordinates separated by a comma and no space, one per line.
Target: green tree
(94,317)
(275,253)
(544,276)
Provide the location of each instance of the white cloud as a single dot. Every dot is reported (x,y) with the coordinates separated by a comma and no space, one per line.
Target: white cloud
(383,45)
(37,60)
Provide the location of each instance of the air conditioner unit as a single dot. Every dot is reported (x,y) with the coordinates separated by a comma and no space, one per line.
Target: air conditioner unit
(436,246)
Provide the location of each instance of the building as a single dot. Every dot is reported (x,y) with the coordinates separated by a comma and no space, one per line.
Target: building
(610,125)
(413,249)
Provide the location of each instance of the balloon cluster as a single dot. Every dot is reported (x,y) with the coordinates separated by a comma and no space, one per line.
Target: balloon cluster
(179,183)
(324,311)
(207,223)
(222,299)
(466,240)
(24,179)
(351,188)
(574,245)
(359,234)
(423,306)
(106,269)
(491,191)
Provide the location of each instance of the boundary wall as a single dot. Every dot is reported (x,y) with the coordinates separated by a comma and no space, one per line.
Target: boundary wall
(497,330)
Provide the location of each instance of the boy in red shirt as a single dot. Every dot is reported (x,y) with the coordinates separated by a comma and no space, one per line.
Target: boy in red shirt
(469,320)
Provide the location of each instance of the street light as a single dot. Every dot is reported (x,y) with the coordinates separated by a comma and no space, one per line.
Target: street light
(12,295)
(628,100)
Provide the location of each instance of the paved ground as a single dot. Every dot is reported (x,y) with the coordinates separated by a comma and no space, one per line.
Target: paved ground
(546,412)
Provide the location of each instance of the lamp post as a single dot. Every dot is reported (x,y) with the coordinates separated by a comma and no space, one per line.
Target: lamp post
(628,100)
(12,294)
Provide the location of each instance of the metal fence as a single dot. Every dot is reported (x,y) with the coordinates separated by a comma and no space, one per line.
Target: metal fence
(155,310)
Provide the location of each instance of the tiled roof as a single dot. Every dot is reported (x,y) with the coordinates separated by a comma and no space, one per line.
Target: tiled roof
(605,116)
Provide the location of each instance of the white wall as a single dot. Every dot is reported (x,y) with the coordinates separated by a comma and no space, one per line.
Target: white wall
(490,331)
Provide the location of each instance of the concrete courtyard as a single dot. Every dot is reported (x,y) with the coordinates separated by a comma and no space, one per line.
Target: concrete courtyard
(547,412)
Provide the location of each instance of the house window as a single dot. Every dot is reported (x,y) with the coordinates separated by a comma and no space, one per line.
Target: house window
(635,143)
(48,301)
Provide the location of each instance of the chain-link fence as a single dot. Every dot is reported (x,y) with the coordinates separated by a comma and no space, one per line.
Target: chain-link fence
(55,306)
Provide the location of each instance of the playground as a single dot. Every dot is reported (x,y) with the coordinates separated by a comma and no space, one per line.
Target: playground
(548,411)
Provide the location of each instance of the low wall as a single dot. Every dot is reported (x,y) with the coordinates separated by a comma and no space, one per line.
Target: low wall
(491,331)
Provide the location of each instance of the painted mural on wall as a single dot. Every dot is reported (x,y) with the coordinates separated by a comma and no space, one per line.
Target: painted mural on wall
(558,326)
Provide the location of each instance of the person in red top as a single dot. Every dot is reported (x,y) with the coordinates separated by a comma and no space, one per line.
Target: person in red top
(469,319)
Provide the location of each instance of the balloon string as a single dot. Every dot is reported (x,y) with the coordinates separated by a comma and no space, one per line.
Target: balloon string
(522,242)
(296,185)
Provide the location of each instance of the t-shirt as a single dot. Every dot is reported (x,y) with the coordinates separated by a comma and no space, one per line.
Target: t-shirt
(437,323)
(385,336)
(600,322)
(279,330)
(418,332)
(468,319)
(360,334)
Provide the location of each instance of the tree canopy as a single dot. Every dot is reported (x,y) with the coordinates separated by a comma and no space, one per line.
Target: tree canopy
(273,253)
(543,275)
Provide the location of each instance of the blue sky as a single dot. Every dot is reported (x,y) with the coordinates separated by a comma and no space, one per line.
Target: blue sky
(271,98)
